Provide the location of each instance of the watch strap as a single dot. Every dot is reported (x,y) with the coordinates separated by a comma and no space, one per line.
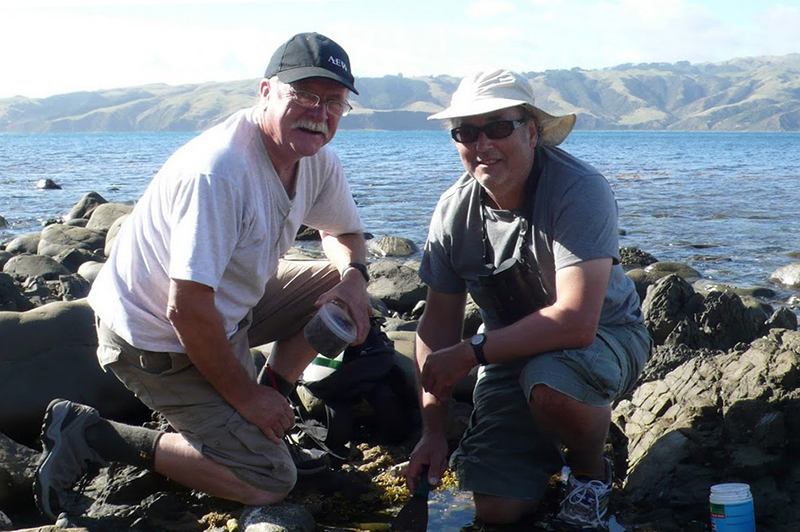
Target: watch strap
(361,267)
(479,354)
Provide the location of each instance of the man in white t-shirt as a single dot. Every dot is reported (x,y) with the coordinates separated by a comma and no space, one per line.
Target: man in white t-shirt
(197,276)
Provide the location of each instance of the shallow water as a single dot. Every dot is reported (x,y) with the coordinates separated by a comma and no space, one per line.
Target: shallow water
(724,203)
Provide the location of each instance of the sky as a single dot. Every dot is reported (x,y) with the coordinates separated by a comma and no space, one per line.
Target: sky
(52,47)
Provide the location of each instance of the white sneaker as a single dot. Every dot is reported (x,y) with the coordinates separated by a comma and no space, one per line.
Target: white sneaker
(586,504)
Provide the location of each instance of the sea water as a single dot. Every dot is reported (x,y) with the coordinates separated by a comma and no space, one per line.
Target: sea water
(723,203)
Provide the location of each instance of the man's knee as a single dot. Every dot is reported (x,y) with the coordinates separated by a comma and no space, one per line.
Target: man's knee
(268,482)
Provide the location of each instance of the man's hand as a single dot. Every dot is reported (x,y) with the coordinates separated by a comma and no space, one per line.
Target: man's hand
(269,411)
(431,450)
(444,368)
(351,294)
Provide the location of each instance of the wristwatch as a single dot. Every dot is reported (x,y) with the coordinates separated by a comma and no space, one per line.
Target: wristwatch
(476,342)
(361,267)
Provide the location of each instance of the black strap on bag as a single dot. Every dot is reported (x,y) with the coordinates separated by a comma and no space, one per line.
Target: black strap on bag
(516,285)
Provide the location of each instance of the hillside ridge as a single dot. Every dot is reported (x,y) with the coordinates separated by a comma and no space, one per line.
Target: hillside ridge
(743,94)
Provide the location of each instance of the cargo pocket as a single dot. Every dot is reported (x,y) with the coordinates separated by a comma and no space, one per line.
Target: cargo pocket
(108,354)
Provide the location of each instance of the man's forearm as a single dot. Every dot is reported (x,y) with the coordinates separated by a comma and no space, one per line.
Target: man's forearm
(343,249)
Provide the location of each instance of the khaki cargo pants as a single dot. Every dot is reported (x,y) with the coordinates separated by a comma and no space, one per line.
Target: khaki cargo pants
(168,382)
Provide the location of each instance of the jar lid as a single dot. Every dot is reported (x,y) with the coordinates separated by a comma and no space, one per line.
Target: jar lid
(338,321)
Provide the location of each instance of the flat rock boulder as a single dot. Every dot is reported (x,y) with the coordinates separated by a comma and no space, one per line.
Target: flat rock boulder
(397,285)
(85,206)
(21,267)
(60,237)
(89,270)
(730,417)
(392,246)
(27,243)
(283,517)
(788,275)
(663,269)
(50,352)
(104,215)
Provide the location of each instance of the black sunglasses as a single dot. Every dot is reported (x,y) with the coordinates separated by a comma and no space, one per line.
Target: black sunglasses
(493,130)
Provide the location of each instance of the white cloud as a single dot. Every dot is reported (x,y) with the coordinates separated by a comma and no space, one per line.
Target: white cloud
(56,50)
(489,8)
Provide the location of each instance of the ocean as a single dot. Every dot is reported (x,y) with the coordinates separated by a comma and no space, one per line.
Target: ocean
(724,203)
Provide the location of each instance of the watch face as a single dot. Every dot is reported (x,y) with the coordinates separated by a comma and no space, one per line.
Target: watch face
(478,339)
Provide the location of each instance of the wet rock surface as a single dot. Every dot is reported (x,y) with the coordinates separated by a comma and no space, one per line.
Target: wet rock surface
(717,402)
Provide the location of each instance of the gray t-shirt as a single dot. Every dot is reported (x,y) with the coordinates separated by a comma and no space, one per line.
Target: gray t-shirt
(573,216)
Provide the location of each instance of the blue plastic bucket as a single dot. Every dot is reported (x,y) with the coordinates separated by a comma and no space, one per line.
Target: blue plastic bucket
(732,508)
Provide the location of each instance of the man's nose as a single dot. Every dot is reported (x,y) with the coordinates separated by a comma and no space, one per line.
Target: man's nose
(483,141)
(319,112)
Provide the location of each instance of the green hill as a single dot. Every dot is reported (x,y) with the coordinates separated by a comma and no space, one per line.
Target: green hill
(749,94)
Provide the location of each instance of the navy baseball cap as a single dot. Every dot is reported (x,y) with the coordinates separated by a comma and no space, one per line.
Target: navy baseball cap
(311,55)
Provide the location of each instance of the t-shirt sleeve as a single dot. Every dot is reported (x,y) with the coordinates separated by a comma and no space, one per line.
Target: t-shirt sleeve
(585,226)
(333,209)
(436,268)
(204,219)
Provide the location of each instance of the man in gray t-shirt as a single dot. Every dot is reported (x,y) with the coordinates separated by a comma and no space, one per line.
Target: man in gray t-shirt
(530,232)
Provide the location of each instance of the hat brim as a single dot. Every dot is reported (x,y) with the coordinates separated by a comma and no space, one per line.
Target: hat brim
(297,74)
(474,108)
(553,130)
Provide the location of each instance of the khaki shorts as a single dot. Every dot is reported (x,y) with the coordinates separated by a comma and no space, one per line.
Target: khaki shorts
(168,382)
(503,453)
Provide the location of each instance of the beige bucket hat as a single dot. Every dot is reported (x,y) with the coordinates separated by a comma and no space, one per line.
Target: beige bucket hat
(484,92)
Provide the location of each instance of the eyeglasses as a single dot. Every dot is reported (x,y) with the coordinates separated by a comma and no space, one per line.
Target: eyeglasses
(310,100)
(493,130)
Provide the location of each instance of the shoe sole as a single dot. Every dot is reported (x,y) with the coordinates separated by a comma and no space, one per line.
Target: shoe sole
(51,439)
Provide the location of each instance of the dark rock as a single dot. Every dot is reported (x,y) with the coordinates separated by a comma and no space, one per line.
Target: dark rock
(72,287)
(47,184)
(21,267)
(27,243)
(11,295)
(52,349)
(72,258)
(3,223)
(392,246)
(630,257)
(783,318)
(662,269)
(85,206)
(397,285)
(57,238)
(668,302)
(17,463)
(307,234)
(4,256)
(723,418)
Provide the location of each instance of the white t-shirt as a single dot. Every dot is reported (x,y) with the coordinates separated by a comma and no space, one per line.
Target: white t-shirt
(217,214)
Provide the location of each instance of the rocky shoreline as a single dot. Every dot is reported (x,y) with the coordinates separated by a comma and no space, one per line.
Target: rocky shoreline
(718,401)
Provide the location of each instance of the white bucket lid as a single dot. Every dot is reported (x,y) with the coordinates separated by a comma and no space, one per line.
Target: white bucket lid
(731,493)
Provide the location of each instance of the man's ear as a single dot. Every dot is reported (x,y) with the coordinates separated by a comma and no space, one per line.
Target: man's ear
(533,127)
(264,88)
